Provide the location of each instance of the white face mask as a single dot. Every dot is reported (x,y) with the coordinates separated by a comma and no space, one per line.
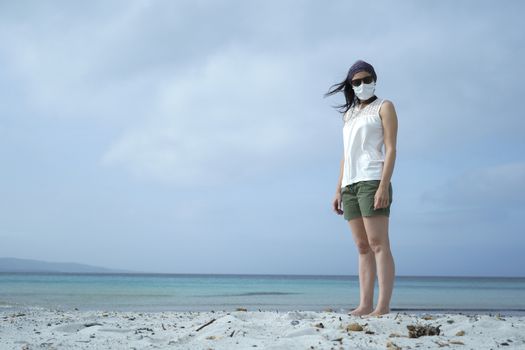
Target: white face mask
(365,91)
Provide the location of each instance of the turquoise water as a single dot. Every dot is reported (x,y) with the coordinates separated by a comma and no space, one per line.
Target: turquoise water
(175,292)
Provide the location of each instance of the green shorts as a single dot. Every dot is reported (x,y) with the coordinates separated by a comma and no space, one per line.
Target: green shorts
(358,199)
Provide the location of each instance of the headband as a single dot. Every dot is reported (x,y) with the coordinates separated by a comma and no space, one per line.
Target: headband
(360,66)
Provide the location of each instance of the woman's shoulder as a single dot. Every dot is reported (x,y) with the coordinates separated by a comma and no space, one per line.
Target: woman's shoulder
(385,103)
(386,109)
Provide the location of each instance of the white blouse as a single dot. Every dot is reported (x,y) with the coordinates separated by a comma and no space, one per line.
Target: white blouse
(363,142)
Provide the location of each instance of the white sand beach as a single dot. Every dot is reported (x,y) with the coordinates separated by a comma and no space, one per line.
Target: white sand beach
(33,328)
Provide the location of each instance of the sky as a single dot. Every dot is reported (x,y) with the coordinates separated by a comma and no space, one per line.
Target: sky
(193,136)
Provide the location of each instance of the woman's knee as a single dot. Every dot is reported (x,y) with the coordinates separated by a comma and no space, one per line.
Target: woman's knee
(378,245)
(363,247)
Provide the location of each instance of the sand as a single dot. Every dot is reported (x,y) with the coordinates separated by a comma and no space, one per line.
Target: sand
(40,328)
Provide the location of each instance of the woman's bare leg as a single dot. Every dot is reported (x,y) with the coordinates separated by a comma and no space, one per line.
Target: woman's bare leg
(377,232)
(367,268)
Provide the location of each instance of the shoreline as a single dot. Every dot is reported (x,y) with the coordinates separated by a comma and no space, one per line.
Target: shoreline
(416,311)
(76,329)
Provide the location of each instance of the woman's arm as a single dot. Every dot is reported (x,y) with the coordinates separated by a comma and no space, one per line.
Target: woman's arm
(336,203)
(340,181)
(389,121)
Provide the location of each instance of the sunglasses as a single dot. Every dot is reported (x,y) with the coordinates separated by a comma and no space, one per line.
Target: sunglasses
(366,80)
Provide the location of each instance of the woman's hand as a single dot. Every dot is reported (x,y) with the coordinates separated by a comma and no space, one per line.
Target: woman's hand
(336,204)
(381,198)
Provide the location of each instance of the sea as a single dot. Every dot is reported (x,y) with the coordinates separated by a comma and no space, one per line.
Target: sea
(146,292)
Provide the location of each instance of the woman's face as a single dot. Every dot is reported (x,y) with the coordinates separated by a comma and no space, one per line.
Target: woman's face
(363,85)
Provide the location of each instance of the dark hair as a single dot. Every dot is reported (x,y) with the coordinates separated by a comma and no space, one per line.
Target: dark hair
(349,93)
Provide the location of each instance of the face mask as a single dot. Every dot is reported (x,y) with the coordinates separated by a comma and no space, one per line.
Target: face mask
(364,91)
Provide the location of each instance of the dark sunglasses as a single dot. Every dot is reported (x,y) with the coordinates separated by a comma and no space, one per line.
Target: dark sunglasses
(366,80)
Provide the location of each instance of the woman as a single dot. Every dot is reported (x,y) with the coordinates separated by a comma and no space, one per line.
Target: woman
(364,190)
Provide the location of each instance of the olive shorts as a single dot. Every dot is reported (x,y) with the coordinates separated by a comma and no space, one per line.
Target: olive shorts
(358,199)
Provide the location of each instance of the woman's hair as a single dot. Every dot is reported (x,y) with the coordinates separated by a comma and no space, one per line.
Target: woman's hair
(346,85)
(349,93)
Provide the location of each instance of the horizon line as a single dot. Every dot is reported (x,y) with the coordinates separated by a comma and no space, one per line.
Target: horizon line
(247,274)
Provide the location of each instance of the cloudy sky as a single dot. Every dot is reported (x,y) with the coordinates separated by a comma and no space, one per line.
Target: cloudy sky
(193,136)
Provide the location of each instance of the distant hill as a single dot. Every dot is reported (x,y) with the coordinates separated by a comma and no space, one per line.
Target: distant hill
(29,265)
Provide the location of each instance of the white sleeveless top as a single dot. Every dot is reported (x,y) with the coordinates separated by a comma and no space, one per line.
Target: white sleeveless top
(363,142)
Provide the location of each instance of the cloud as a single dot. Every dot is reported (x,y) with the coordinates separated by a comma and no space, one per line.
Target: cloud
(185,109)
(58,59)
(223,120)
(490,187)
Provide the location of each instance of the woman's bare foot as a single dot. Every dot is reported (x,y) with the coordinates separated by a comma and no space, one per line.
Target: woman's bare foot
(378,313)
(359,311)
